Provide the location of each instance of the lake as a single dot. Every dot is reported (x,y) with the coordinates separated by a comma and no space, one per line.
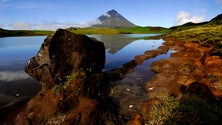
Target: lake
(122,48)
(15,52)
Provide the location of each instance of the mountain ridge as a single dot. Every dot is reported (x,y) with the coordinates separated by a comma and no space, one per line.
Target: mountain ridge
(214,21)
(112,19)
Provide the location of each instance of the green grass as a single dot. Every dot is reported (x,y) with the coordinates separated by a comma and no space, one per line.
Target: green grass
(5,33)
(145,30)
(186,110)
(94,30)
(204,35)
(71,83)
(42,32)
(87,31)
(133,30)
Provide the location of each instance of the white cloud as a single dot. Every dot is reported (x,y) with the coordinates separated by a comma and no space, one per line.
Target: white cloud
(184,17)
(21,25)
(90,23)
(52,25)
(11,76)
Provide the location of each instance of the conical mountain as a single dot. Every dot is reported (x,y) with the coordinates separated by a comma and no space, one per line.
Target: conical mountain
(112,19)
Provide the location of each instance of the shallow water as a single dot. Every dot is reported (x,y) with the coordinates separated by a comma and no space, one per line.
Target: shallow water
(15,84)
(130,92)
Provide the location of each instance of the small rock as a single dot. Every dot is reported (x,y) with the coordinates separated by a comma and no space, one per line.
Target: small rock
(17,95)
(130,106)
(39,54)
(151,88)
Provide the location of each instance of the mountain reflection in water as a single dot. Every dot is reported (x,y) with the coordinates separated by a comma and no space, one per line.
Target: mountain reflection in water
(122,48)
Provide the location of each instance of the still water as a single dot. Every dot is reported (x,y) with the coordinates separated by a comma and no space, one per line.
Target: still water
(123,48)
(16,51)
(16,85)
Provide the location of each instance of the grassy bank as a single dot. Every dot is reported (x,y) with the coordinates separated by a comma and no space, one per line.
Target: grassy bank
(145,30)
(189,109)
(5,33)
(133,30)
(203,35)
(94,30)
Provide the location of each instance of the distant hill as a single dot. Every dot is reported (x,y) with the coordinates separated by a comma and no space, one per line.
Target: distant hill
(5,33)
(145,30)
(112,19)
(2,30)
(215,21)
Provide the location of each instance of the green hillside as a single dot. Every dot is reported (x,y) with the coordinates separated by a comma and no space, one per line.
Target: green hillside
(133,30)
(94,30)
(206,33)
(145,30)
(213,22)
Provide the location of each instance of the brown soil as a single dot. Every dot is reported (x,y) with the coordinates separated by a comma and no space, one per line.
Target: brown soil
(190,68)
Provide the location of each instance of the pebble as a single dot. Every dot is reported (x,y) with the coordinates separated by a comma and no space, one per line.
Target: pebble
(17,95)
(39,54)
(130,106)
(151,88)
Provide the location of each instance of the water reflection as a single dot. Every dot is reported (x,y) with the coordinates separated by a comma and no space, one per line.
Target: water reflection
(16,51)
(114,43)
(122,48)
(16,85)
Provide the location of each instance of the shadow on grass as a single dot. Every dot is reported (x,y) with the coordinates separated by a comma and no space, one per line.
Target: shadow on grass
(197,106)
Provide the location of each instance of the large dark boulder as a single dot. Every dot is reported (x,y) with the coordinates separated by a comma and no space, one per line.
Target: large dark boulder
(64,53)
(69,68)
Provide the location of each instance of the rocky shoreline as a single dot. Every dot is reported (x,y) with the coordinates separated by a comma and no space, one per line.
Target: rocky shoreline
(191,70)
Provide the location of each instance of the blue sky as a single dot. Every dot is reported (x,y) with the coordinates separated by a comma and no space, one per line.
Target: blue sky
(51,14)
